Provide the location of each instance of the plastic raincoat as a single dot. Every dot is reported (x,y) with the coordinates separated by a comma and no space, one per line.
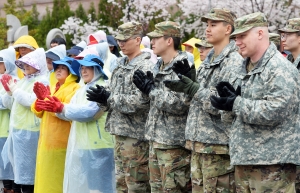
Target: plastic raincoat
(24,41)
(110,60)
(8,55)
(52,146)
(90,158)
(21,144)
(196,53)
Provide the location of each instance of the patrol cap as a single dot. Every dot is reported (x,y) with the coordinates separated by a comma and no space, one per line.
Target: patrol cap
(293,25)
(274,38)
(203,43)
(129,29)
(166,28)
(247,22)
(220,14)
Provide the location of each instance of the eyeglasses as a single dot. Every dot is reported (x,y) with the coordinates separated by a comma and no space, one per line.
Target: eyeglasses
(285,35)
(122,42)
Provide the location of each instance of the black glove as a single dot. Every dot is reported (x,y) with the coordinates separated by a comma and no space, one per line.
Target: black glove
(222,93)
(184,85)
(143,82)
(98,94)
(225,103)
(183,67)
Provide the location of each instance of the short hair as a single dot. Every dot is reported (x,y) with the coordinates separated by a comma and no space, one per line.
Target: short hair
(176,41)
(59,41)
(232,27)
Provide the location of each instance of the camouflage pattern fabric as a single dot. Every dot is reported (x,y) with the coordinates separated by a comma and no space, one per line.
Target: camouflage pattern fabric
(296,62)
(203,43)
(220,14)
(166,28)
(204,121)
(169,169)
(265,178)
(267,113)
(293,25)
(247,22)
(128,107)
(212,173)
(131,158)
(168,111)
(129,29)
(275,38)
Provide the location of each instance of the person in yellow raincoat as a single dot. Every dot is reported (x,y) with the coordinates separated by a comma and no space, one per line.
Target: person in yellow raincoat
(189,46)
(54,132)
(89,164)
(24,45)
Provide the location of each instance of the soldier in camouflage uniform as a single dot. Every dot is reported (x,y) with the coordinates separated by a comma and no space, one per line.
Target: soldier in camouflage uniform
(265,132)
(275,38)
(206,134)
(204,47)
(290,37)
(169,161)
(127,112)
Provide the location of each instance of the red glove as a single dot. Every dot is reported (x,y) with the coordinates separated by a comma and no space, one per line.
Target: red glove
(40,105)
(4,80)
(54,105)
(41,91)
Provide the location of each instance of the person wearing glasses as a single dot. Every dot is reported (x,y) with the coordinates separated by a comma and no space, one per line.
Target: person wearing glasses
(290,37)
(204,47)
(127,110)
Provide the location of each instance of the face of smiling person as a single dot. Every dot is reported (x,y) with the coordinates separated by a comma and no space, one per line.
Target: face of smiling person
(247,42)
(61,73)
(87,73)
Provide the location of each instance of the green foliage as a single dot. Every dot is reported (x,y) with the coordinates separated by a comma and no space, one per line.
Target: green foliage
(80,13)
(92,12)
(109,14)
(3,34)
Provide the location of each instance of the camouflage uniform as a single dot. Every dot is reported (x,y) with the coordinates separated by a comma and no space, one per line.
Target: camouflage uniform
(169,161)
(293,25)
(263,138)
(128,110)
(206,134)
(275,38)
(203,43)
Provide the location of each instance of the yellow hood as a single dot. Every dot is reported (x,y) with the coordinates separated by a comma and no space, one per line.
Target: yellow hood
(196,53)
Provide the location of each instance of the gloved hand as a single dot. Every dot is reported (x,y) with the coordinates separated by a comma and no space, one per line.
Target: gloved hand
(225,103)
(183,67)
(12,85)
(53,105)
(184,85)
(40,105)
(222,93)
(143,82)
(4,80)
(41,91)
(98,94)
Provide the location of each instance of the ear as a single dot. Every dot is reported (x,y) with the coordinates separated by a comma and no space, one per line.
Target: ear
(228,29)
(260,34)
(169,41)
(138,40)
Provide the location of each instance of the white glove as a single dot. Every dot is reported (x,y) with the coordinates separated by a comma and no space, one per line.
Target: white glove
(12,85)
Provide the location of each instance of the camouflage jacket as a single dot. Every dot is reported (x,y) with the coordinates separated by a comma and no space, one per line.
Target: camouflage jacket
(296,62)
(128,107)
(168,111)
(204,121)
(266,127)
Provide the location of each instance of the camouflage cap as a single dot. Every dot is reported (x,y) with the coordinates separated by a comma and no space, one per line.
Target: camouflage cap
(274,38)
(247,22)
(166,28)
(129,29)
(220,14)
(203,43)
(293,25)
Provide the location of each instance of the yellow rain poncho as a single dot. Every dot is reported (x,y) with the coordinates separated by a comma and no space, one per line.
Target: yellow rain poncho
(24,41)
(52,146)
(196,53)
